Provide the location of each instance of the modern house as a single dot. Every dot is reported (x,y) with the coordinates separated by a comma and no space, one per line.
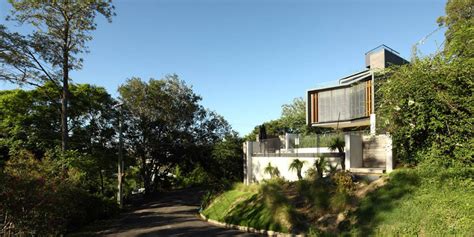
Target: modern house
(351,103)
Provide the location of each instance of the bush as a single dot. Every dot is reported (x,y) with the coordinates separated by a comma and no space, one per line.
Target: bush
(198,176)
(45,197)
(343,181)
(427,106)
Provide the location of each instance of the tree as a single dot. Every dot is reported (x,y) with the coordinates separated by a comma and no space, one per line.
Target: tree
(459,20)
(227,157)
(297,165)
(292,120)
(293,116)
(29,120)
(166,126)
(61,30)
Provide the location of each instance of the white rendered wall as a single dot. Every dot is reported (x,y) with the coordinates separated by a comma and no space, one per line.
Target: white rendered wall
(283,164)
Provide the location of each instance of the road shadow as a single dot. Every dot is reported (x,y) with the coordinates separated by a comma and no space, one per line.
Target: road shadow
(173,213)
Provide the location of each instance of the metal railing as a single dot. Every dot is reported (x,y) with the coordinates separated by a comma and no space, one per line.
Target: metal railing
(310,145)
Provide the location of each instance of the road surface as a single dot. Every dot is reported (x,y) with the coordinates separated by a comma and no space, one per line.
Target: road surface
(173,214)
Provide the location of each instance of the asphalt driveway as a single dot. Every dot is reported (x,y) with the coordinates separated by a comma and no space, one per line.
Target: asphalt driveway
(172,214)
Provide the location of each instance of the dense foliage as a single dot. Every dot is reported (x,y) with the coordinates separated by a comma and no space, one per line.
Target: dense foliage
(167,131)
(48,196)
(428,108)
(428,105)
(42,190)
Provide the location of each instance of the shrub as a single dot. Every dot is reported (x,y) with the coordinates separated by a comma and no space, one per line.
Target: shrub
(198,176)
(343,181)
(45,197)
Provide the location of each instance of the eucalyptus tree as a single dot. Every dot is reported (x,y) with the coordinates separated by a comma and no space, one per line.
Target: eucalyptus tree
(60,32)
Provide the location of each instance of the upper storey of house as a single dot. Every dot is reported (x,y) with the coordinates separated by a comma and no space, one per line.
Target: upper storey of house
(351,103)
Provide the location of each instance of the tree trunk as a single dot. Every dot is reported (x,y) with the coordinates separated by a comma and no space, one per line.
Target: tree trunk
(146,177)
(65,96)
(64,102)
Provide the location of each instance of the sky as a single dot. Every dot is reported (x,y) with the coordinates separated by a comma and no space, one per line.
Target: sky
(247,58)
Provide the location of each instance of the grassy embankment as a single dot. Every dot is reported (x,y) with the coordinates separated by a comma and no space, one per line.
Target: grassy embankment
(420,202)
(413,202)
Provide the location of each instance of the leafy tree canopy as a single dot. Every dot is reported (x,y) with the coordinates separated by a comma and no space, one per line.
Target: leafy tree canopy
(167,126)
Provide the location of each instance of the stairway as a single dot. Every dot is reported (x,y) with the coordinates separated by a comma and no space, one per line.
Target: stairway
(365,170)
(369,174)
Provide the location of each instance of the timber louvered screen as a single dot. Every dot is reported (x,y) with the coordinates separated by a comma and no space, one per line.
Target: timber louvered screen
(358,100)
(342,103)
(334,105)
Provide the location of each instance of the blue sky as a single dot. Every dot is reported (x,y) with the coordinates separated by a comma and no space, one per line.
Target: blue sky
(247,58)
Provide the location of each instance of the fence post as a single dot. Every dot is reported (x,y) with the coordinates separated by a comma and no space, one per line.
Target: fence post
(388,155)
(372,125)
(347,153)
(248,149)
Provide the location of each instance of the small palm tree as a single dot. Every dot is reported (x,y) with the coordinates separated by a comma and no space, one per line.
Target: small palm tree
(272,171)
(320,165)
(338,143)
(297,165)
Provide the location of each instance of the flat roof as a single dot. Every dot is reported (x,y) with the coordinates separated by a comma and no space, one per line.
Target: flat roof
(346,81)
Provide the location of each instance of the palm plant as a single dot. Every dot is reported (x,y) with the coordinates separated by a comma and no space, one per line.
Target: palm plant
(297,165)
(320,165)
(338,143)
(272,171)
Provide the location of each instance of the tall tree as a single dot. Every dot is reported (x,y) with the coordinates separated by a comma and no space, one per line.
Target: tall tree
(166,126)
(61,30)
(459,20)
(160,114)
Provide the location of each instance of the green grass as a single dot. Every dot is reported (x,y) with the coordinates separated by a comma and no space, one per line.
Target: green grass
(414,202)
(257,206)
(419,202)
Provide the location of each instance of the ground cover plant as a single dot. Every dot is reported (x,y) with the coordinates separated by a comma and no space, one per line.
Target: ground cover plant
(306,205)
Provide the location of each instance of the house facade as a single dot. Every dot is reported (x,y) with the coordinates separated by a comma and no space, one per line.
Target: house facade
(351,103)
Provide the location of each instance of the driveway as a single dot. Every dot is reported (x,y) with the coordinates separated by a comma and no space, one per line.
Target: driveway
(172,214)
